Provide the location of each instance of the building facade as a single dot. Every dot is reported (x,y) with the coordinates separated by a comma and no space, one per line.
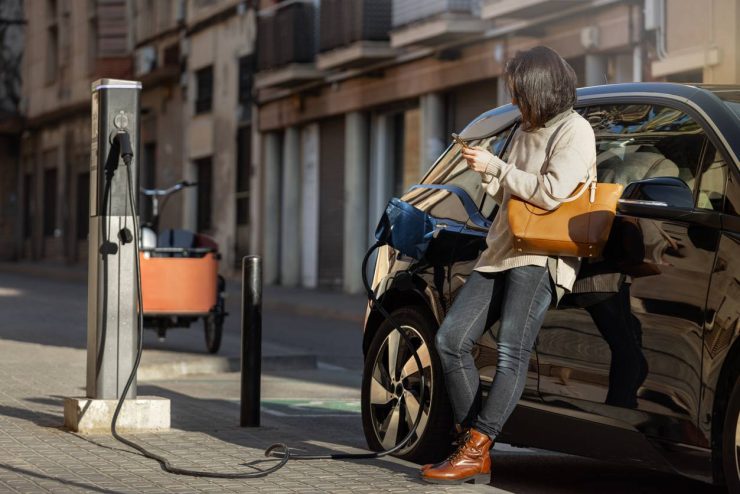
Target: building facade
(360,99)
(195,60)
(68,45)
(12,29)
(299,119)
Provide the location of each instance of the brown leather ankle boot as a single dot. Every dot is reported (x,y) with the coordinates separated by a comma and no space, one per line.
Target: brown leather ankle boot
(461,433)
(470,462)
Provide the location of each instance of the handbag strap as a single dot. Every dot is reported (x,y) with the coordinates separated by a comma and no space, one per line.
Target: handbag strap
(464,197)
(590,180)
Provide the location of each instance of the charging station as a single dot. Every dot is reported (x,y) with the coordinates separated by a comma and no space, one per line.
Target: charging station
(112,314)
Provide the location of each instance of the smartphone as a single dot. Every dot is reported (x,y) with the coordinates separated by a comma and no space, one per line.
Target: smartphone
(459,140)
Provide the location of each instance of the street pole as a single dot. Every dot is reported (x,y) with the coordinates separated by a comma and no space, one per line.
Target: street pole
(251,351)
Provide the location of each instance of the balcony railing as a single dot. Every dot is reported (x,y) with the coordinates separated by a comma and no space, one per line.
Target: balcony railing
(344,22)
(354,32)
(409,11)
(431,22)
(286,35)
(522,9)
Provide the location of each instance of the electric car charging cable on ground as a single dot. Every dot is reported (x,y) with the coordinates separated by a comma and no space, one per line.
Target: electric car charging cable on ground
(278,450)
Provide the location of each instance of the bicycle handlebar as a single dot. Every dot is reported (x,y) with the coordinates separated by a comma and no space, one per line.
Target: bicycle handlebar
(170,190)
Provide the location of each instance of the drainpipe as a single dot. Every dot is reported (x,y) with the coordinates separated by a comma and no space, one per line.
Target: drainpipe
(660,41)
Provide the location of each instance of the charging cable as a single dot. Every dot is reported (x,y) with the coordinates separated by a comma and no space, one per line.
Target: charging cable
(278,450)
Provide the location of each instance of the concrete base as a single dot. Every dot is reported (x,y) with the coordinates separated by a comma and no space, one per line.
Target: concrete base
(88,416)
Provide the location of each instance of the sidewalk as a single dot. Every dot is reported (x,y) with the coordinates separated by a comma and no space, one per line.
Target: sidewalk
(37,455)
(310,408)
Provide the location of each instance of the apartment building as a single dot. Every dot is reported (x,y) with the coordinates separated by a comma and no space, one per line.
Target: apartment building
(299,119)
(357,98)
(68,44)
(195,60)
(11,39)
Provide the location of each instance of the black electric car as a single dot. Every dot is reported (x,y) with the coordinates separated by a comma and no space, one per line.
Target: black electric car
(641,363)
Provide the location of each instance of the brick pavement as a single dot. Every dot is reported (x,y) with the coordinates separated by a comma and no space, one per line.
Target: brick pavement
(37,455)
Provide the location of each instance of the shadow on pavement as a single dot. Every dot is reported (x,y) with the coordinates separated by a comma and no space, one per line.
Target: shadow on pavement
(71,483)
(42,419)
(303,435)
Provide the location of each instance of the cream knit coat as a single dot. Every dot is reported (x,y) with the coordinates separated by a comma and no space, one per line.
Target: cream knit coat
(572,153)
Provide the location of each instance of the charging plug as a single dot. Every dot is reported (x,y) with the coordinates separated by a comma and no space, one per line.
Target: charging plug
(124,141)
(125,236)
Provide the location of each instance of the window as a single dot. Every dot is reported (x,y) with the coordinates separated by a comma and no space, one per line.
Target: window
(92,35)
(28,205)
(52,53)
(50,202)
(83,205)
(204,90)
(246,72)
(148,179)
(732,204)
(692,76)
(243,171)
(638,141)
(172,55)
(204,172)
(713,180)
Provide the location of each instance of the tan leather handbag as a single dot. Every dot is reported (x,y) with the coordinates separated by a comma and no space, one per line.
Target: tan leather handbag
(579,227)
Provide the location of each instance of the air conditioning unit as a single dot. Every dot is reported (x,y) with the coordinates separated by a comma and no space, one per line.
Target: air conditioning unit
(652,14)
(146,60)
(180,11)
(590,37)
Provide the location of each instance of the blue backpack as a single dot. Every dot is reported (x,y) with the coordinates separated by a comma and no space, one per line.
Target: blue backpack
(409,229)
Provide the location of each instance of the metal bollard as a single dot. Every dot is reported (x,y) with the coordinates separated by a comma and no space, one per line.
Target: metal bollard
(251,355)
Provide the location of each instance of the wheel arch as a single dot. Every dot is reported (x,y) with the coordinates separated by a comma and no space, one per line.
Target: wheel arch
(392,299)
(725,382)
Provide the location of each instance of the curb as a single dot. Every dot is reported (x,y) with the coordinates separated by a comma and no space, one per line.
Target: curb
(219,365)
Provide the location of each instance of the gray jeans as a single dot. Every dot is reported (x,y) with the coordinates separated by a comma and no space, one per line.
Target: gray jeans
(519,297)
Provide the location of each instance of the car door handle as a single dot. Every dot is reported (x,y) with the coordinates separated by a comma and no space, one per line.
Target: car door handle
(642,202)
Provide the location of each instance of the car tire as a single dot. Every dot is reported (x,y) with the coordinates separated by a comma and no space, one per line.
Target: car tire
(731,440)
(385,394)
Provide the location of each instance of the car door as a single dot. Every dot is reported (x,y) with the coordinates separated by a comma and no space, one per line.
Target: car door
(723,300)
(628,347)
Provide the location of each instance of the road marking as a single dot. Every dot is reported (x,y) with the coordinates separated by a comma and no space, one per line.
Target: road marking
(311,407)
(330,367)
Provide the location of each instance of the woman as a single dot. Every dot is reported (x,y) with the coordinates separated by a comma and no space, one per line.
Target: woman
(551,154)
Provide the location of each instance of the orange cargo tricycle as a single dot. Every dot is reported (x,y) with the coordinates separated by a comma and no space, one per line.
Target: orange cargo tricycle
(179,275)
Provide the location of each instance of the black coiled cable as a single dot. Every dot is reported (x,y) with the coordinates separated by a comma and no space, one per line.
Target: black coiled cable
(278,450)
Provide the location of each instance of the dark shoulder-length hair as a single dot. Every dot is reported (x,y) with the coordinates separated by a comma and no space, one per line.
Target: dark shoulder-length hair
(541,83)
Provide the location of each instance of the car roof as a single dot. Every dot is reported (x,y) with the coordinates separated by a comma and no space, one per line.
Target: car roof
(701,97)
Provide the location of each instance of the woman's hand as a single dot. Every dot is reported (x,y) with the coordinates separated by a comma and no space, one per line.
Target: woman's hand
(479,160)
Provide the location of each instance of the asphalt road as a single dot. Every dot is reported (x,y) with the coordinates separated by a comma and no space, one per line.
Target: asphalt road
(52,312)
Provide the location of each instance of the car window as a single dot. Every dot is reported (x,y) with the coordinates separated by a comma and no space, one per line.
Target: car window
(451,169)
(638,141)
(732,203)
(713,180)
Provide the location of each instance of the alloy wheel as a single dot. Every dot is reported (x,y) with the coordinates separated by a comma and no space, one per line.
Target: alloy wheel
(395,389)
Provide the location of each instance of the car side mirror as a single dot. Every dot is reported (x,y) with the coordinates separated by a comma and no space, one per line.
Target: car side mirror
(659,192)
